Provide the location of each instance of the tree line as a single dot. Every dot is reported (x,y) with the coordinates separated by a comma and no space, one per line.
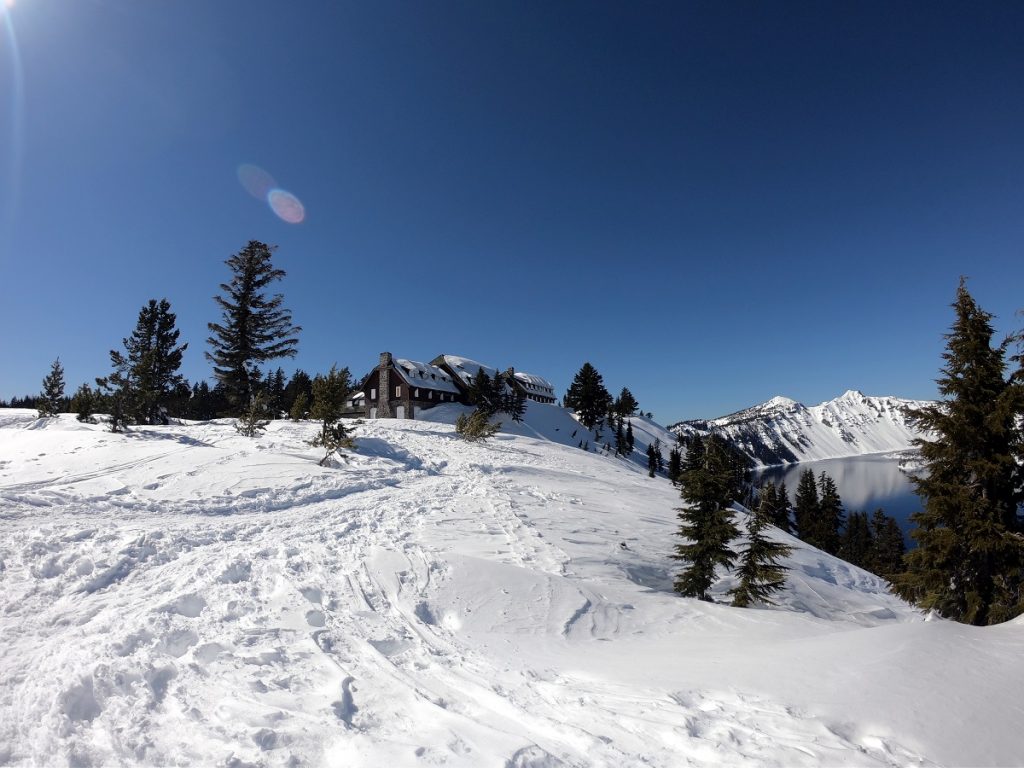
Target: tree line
(145,385)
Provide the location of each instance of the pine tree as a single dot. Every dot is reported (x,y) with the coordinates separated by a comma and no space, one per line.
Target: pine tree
(52,398)
(256,417)
(254,328)
(630,440)
(625,403)
(829,524)
(482,391)
(781,518)
(146,374)
(300,408)
(712,477)
(759,570)
(807,507)
(588,397)
(299,384)
(659,460)
(857,540)
(84,403)
(276,393)
(620,439)
(675,464)
(886,556)
(652,461)
(968,561)
(329,395)
(516,405)
(476,427)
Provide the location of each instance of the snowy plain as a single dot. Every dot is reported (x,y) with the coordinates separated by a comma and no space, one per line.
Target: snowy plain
(186,596)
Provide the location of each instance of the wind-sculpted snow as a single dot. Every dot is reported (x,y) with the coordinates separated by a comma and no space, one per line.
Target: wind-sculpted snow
(783,431)
(182,595)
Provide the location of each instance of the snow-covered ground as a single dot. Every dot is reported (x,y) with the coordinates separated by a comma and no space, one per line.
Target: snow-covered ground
(783,431)
(185,596)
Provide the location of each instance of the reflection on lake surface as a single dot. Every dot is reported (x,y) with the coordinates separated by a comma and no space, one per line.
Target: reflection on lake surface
(865,483)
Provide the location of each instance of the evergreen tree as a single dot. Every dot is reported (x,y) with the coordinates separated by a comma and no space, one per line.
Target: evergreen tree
(476,427)
(255,327)
(829,524)
(806,510)
(299,383)
(52,398)
(781,518)
(300,408)
(675,464)
(625,403)
(968,561)
(588,397)
(276,393)
(630,440)
(886,556)
(485,394)
(621,447)
(857,541)
(652,461)
(759,571)
(147,372)
(516,405)
(329,395)
(659,460)
(84,403)
(712,477)
(256,417)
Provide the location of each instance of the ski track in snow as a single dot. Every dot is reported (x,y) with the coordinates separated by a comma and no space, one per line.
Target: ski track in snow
(181,596)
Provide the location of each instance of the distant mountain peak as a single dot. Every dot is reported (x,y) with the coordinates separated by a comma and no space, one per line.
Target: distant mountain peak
(784,431)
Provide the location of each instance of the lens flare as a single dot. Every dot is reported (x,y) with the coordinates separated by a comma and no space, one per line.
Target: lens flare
(286,206)
(256,181)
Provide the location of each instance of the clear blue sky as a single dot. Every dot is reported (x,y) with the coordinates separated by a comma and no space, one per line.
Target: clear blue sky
(712,202)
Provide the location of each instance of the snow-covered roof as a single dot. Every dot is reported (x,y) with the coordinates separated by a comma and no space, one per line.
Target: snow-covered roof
(425,375)
(536,383)
(466,369)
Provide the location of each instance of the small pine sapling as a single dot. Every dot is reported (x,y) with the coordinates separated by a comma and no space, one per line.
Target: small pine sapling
(329,395)
(254,421)
(476,427)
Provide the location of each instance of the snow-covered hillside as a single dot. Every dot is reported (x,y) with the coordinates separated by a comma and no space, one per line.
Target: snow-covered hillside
(183,595)
(783,431)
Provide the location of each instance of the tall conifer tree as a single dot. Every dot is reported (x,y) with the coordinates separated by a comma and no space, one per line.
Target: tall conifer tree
(52,398)
(759,570)
(969,555)
(713,476)
(255,327)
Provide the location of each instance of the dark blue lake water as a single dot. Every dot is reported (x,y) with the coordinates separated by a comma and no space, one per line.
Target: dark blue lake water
(865,483)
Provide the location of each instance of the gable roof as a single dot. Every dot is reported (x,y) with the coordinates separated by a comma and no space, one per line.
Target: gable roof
(536,383)
(466,369)
(424,375)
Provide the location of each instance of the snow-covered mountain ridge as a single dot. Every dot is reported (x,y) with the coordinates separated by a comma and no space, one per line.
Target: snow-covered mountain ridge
(183,595)
(783,431)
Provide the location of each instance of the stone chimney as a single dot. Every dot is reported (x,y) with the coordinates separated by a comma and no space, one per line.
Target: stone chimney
(384,382)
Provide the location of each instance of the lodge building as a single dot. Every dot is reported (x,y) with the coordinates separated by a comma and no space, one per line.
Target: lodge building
(401,389)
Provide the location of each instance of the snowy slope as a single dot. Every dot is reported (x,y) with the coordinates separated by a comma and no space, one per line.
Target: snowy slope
(783,431)
(182,595)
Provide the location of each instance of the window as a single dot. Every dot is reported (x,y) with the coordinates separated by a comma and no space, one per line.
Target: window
(398,391)
(430,395)
(415,393)
(373,394)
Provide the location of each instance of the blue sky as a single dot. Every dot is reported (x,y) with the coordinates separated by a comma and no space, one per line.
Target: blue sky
(712,202)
